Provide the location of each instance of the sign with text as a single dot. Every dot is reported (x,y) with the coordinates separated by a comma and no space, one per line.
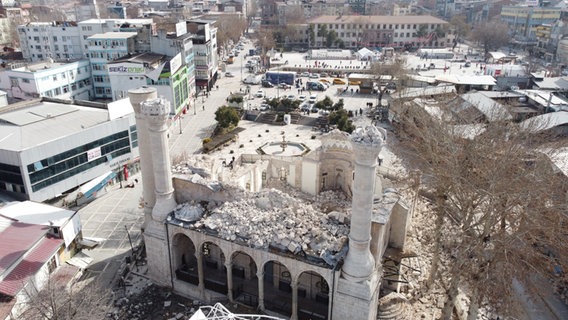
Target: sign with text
(181,28)
(126,68)
(175,63)
(94,154)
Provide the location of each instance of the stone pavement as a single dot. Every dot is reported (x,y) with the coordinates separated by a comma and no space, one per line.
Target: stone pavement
(113,216)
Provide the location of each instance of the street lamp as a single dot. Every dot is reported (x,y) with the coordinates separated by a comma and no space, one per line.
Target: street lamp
(194,103)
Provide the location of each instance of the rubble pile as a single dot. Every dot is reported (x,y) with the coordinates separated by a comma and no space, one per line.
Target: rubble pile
(274,218)
(369,135)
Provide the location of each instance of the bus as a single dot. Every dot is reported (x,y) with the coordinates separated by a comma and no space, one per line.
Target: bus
(278,77)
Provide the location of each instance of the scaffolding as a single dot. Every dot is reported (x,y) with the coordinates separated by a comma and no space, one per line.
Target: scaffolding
(219,312)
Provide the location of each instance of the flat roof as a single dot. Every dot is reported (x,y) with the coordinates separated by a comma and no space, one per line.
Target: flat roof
(113,35)
(142,57)
(43,122)
(36,213)
(481,80)
(356,19)
(424,91)
(555,83)
(545,99)
(501,94)
(121,21)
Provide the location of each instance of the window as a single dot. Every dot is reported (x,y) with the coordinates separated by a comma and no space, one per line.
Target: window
(36,39)
(26,80)
(54,38)
(54,77)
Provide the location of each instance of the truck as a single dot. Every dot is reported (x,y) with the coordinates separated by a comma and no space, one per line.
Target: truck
(278,77)
(252,79)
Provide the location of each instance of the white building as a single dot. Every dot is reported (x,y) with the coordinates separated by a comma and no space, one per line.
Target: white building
(205,50)
(70,80)
(50,147)
(3,98)
(58,40)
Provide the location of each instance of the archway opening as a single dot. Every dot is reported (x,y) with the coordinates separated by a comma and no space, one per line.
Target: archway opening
(214,270)
(277,288)
(245,281)
(184,259)
(313,296)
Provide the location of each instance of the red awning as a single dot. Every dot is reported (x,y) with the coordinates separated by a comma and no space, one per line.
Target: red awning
(17,239)
(29,266)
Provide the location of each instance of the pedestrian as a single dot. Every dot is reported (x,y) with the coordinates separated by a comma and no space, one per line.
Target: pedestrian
(203,107)
(360,111)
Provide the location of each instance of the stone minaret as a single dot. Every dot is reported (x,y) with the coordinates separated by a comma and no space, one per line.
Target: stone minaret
(156,112)
(137,96)
(358,286)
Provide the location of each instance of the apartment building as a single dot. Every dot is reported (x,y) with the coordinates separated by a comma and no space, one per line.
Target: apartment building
(381,31)
(205,50)
(523,21)
(58,40)
(70,80)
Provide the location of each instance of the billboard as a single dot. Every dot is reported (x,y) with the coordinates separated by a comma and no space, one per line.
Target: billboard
(181,28)
(126,68)
(175,63)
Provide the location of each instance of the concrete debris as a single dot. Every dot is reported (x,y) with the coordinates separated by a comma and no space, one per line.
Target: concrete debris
(275,218)
(369,135)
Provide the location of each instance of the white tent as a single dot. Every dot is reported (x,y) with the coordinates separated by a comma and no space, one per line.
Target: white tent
(365,54)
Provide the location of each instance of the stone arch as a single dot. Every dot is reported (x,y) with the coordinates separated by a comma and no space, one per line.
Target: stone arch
(245,281)
(313,295)
(277,282)
(214,270)
(184,258)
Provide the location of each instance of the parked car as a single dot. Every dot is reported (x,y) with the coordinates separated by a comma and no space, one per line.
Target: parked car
(391,86)
(264,107)
(229,74)
(267,84)
(305,74)
(284,86)
(324,81)
(313,108)
(314,75)
(291,97)
(313,98)
(305,107)
(260,93)
(323,75)
(338,81)
(467,64)
(354,83)
(302,98)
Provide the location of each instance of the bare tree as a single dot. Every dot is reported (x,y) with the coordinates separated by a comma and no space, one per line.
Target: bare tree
(230,28)
(499,206)
(491,35)
(79,301)
(384,70)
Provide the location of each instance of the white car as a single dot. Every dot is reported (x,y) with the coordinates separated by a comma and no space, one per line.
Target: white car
(291,97)
(260,94)
(229,74)
(305,74)
(313,98)
(302,98)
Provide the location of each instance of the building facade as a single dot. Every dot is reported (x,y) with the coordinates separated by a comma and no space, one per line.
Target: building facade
(70,80)
(167,74)
(205,53)
(382,31)
(523,21)
(58,40)
(51,147)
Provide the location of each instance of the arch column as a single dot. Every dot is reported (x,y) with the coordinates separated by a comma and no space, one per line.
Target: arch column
(294,286)
(200,274)
(229,267)
(260,276)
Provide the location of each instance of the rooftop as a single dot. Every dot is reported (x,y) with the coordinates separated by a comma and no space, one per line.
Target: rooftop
(42,121)
(113,35)
(36,213)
